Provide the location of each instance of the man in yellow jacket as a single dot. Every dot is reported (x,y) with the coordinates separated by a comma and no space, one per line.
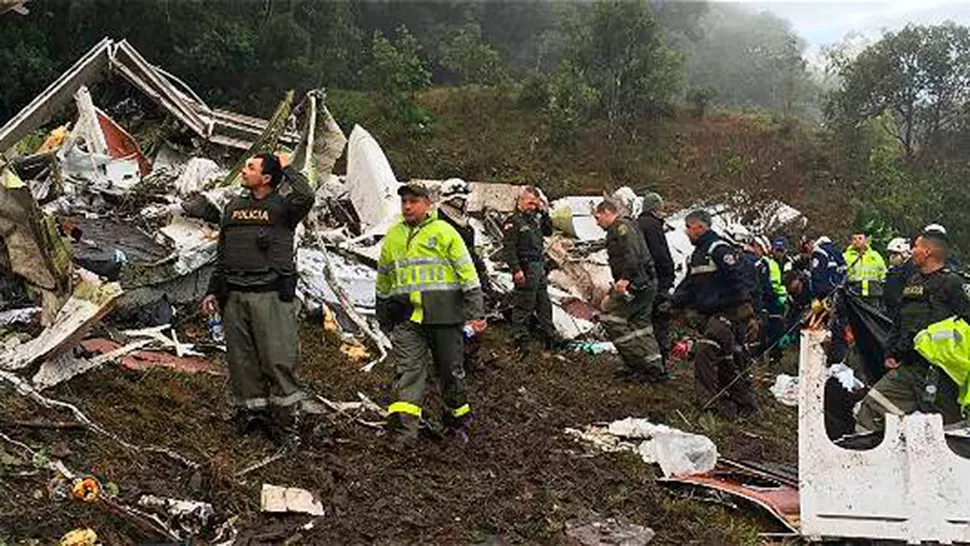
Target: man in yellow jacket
(866,270)
(427,291)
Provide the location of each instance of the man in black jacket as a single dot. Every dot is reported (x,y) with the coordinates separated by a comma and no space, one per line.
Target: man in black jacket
(651,224)
(716,288)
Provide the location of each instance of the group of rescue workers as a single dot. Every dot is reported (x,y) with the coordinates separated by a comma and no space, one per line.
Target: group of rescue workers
(744,294)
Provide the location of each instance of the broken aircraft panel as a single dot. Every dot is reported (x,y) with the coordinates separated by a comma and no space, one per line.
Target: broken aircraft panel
(119,57)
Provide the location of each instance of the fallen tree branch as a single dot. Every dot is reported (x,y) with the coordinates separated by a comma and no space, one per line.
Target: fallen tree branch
(22,446)
(57,425)
(337,409)
(282,452)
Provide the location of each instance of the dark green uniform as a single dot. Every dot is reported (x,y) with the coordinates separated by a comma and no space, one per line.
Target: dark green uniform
(926,299)
(523,244)
(255,282)
(629,323)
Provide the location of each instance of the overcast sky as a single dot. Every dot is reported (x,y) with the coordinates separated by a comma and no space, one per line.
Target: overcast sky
(826,22)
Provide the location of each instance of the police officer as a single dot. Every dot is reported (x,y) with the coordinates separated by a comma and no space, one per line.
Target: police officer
(827,268)
(865,269)
(427,290)
(453,210)
(629,304)
(715,288)
(775,296)
(254,285)
(651,224)
(901,268)
(523,249)
(932,294)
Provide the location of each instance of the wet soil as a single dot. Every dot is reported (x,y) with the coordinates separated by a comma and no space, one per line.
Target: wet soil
(519,480)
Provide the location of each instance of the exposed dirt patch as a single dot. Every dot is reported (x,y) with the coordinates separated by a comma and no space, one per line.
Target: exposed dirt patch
(519,480)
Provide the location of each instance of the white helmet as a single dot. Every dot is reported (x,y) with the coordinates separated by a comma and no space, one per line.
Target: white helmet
(454,187)
(737,233)
(898,245)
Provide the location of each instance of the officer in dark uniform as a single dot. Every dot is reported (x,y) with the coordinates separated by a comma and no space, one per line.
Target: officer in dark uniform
(931,294)
(651,224)
(523,249)
(453,210)
(254,285)
(629,304)
(715,287)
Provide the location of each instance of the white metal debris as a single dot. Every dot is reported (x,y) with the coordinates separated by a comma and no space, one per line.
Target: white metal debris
(371,184)
(88,303)
(911,487)
(19,316)
(358,280)
(60,368)
(189,516)
(197,173)
(194,241)
(785,389)
(273,498)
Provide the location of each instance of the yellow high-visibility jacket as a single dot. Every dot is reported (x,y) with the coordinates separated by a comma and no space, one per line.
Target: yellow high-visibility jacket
(946,344)
(869,270)
(426,275)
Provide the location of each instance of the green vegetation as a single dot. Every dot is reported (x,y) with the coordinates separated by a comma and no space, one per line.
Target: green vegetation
(692,99)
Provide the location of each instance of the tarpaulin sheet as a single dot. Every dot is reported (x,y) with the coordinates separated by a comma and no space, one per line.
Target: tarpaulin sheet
(871,329)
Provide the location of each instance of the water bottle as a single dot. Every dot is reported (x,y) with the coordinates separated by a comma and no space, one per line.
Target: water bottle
(467,333)
(929,391)
(216,331)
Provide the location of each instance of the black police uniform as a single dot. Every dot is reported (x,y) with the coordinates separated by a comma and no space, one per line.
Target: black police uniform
(716,287)
(926,298)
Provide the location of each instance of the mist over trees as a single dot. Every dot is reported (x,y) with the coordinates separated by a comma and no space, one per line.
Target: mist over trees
(244,55)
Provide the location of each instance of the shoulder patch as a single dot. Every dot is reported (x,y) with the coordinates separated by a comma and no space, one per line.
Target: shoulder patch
(622,230)
(814,263)
(730,259)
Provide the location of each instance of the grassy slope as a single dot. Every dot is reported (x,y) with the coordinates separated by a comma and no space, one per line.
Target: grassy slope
(485,135)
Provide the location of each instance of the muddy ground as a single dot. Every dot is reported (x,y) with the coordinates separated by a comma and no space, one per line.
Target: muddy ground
(519,480)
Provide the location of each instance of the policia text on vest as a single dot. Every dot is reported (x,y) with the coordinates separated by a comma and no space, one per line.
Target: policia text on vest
(254,283)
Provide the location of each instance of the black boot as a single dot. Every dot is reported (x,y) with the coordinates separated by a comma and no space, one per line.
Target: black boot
(285,426)
(250,422)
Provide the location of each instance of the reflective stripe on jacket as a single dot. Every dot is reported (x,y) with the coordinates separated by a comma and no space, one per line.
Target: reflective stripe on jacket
(946,344)
(867,270)
(777,285)
(427,270)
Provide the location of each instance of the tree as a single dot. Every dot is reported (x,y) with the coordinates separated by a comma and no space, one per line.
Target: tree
(754,60)
(920,76)
(618,50)
(396,72)
(701,98)
(470,58)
